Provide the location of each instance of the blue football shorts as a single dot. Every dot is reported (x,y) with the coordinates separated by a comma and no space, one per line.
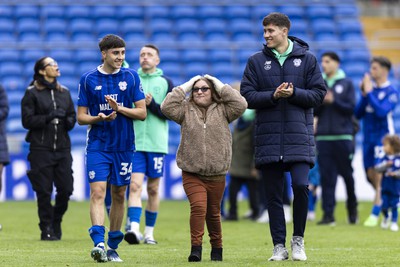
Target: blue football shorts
(151,164)
(372,151)
(112,167)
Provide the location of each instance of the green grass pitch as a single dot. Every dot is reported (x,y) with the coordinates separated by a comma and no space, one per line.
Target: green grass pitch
(246,243)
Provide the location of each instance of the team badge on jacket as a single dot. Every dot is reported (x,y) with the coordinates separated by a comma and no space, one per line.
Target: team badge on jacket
(297,62)
(339,89)
(267,65)
(122,85)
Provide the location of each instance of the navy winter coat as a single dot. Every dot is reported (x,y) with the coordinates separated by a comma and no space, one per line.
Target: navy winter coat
(4,108)
(284,127)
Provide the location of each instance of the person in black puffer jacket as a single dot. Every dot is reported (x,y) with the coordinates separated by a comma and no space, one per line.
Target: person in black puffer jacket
(48,113)
(283,83)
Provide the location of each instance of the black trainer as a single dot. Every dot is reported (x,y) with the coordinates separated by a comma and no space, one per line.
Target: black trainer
(57,229)
(48,234)
(231,217)
(195,254)
(327,220)
(216,254)
(353,216)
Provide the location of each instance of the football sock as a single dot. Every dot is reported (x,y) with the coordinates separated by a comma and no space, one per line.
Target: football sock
(376,210)
(395,215)
(134,214)
(151,218)
(97,234)
(114,238)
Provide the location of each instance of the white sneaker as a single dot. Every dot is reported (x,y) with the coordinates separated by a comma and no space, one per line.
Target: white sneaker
(279,253)
(149,240)
(288,213)
(264,218)
(133,237)
(298,252)
(394,227)
(99,254)
(385,223)
(311,216)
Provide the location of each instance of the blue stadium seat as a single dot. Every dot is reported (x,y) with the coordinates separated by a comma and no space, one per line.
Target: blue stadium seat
(210,12)
(83,67)
(55,25)
(30,55)
(67,68)
(214,26)
(216,37)
(7,25)
(104,12)
(30,37)
(14,96)
(10,68)
(28,25)
(57,37)
(183,12)
(187,26)
(245,37)
(169,56)
(61,55)
(158,11)
(193,69)
(53,11)
(319,12)
(14,125)
(160,26)
(293,11)
(132,26)
(78,12)
(261,10)
(222,69)
(107,26)
(342,55)
(192,37)
(83,37)
(87,55)
(241,26)
(163,37)
(130,12)
(27,11)
(298,26)
(13,83)
(193,56)
(78,26)
(6,11)
(221,56)
(134,37)
(244,54)
(171,69)
(347,26)
(7,37)
(323,26)
(9,55)
(71,82)
(357,55)
(355,68)
(346,11)
(233,12)
(326,37)
(354,40)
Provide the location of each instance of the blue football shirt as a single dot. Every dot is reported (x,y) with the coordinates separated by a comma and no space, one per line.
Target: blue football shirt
(125,87)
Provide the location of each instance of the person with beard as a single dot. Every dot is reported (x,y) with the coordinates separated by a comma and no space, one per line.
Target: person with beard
(48,113)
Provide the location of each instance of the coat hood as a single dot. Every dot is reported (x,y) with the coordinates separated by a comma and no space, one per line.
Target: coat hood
(299,47)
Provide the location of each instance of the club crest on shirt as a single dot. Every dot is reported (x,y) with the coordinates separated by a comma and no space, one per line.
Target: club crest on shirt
(339,89)
(92,174)
(267,65)
(381,95)
(393,98)
(297,62)
(141,88)
(122,85)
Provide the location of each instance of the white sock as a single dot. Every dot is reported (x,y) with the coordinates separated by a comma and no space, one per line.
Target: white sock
(148,231)
(135,226)
(101,244)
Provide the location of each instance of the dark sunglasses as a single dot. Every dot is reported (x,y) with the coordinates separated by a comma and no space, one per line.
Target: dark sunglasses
(203,89)
(52,64)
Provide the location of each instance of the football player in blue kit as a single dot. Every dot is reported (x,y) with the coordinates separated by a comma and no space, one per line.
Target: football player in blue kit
(110,98)
(375,107)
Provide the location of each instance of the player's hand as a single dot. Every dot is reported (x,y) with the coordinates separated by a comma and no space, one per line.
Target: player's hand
(148,99)
(389,163)
(217,83)
(329,98)
(187,86)
(284,90)
(109,117)
(112,102)
(367,85)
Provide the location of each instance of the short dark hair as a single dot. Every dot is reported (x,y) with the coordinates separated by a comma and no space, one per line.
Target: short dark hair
(394,142)
(277,19)
(383,61)
(152,46)
(331,55)
(111,41)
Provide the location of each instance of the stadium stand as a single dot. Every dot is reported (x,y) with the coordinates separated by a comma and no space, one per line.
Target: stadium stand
(194,39)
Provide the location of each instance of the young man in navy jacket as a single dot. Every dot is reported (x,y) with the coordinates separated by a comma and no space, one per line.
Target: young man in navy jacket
(283,83)
(334,136)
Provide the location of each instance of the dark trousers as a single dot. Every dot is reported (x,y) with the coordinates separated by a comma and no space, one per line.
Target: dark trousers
(235,185)
(334,158)
(47,169)
(273,175)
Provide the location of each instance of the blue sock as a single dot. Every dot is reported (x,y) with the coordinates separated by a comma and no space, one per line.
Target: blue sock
(107,200)
(395,215)
(114,238)
(312,199)
(97,234)
(151,218)
(134,214)
(376,210)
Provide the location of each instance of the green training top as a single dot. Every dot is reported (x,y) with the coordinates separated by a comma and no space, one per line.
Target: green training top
(282,57)
(151,135)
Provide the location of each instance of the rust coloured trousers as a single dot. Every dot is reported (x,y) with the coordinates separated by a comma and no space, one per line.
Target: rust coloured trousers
(205,205)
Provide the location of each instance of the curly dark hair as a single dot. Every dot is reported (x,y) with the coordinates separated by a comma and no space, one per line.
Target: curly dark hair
(394,142)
